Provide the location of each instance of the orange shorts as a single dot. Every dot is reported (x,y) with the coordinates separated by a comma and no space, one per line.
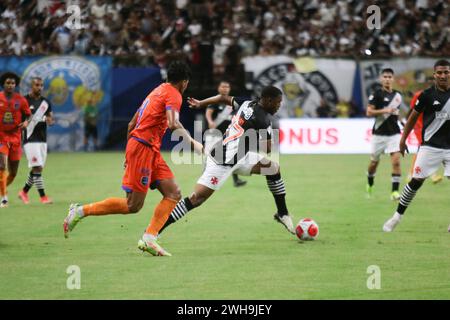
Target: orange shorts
(13,151)
(144,168)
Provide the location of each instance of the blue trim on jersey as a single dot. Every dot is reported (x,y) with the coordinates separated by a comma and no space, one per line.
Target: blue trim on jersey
(168,108)
(127,189)
(141,111)
(154,184)
(141,141)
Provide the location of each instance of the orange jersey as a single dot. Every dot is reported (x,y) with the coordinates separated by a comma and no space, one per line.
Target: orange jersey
(419,124)
(151,123)
(12,112)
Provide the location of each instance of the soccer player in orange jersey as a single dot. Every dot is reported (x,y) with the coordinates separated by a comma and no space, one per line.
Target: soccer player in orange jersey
(435,178)
(144,165)
(14,114)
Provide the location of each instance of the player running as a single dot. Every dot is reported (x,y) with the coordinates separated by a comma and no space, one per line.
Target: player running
(13,110)
(384,105)
(435,178)
(35,141)
(237,154)
(434,104)
(145,166)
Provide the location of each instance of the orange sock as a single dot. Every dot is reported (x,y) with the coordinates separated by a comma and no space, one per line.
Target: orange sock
(10,179)
(2,183)
(160,216)
(107,206)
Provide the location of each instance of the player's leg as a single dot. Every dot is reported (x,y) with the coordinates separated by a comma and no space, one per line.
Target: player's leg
(428,161)
(23,194)
(271,170)
(396,175)
(213,177)
(197,198)
(15,153)
(3,163)
(135,182)
(237,181)
(377,148)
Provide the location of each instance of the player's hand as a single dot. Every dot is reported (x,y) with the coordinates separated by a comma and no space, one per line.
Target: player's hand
(193,103)
(49,121)
(390,110)
(403,148)
(23,125)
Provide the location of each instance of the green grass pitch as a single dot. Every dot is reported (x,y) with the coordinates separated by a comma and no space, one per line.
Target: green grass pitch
(230,248)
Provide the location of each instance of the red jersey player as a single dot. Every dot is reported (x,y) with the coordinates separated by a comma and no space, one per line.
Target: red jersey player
(14,113)
(144,165)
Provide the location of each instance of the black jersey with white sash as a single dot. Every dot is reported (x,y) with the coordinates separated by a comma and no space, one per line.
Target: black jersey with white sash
(435,106)
(249,128)
(386,124)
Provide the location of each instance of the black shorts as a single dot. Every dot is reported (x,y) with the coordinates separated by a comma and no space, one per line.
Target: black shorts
(90,131)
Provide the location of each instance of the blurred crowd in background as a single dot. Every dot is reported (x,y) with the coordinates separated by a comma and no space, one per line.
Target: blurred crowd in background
(213,36)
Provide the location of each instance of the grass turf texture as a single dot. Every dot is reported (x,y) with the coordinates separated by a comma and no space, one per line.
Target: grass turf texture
(230,248)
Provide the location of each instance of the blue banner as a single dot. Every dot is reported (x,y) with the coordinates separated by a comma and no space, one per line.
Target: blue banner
(72,84)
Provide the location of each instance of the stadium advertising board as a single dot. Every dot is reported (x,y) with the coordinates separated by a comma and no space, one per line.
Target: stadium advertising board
(329,136)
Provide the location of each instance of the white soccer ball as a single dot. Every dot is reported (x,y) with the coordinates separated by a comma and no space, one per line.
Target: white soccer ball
(307,229)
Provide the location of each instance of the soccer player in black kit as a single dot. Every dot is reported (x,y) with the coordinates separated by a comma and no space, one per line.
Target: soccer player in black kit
(384,105)
(219,117)
(35,141)
(434,104)
(235,154)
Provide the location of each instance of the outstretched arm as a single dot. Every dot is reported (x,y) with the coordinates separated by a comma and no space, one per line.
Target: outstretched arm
(175,124)
(197,104)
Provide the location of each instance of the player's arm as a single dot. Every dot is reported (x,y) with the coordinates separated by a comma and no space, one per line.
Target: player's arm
(173,122)
(409,126)
(132,124)
(219,99)
(373,112)
(26,114)
(209,119)
(49,119)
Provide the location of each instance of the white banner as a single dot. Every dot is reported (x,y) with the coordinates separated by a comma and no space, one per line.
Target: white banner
(329,136)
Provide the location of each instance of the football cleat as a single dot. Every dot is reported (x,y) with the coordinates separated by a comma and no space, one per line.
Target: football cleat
(24,197)
(71,220)
(286,221)
(390,225)
(369,191)
(239,183)
(4,203)
(46,200)
(152,247)
(436,178)
(395,196)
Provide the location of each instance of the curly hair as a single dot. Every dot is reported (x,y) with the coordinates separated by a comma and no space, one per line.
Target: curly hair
(9,75)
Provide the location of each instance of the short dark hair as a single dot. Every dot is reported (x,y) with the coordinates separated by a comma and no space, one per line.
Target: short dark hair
(9,75)
(387,70)
(177,71)
(271,92)
(36,78)
(441,63)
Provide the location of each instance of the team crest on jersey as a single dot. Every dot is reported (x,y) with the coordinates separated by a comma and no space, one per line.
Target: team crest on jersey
(144,181)
(8,117)
(16,105)
(214,181)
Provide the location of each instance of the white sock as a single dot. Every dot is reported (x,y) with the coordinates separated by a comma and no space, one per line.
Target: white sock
(79,210)
(149,237)
(397,216)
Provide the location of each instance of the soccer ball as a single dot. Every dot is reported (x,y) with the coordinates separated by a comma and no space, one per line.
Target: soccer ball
(307,229)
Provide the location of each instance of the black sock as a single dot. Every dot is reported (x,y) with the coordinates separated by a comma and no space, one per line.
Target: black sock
(235,177)
(409,191)
(396,182)
(29,183)
(181,209)
(39,182)
(370,178)
(276,186)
